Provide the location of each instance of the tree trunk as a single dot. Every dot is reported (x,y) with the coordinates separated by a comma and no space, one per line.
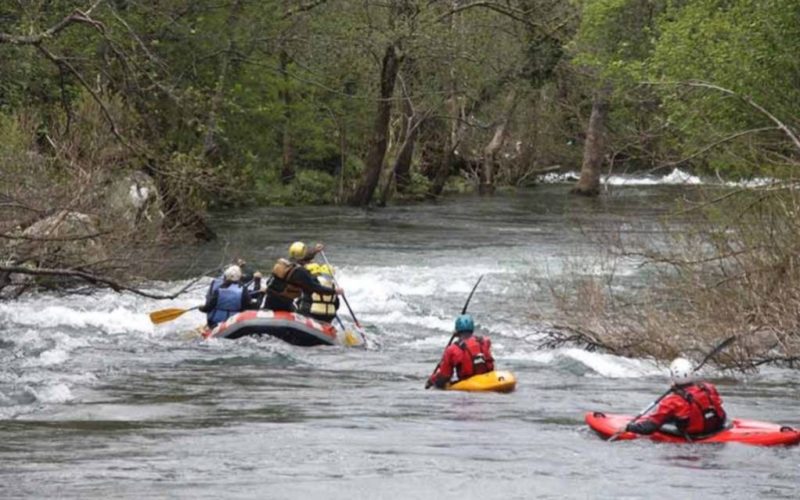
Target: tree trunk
(402,165)
(490,151)
(594,148)
(210,143)
(380,130)
(287,158)
(443,169)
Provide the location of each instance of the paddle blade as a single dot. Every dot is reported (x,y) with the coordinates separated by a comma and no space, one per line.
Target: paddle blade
(164,315)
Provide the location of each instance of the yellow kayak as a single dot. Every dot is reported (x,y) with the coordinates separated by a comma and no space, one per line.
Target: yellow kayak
(497,381)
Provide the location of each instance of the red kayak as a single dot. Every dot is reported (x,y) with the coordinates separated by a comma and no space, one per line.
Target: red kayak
(738,431)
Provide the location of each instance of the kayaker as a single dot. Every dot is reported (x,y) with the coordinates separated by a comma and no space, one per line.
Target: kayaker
(319,305)
(290,279)
(226,296)
(695,408)
(470,355)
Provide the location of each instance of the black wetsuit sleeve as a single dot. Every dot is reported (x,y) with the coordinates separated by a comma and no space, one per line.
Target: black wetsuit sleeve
(253,298)
(643,427)
(305,280)
(247,273)
(246,302)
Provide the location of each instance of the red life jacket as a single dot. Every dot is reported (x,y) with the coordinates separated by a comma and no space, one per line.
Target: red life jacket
(477,358)
(706,414)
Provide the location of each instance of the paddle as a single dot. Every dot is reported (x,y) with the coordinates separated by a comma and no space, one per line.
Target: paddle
(452,337)
(165,315)
(333,275)
(722,345)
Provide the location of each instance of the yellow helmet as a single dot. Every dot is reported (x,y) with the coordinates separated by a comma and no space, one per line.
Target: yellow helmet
(313,268)
(298,250)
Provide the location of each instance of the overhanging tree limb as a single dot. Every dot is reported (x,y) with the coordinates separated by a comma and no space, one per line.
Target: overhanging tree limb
(711,146)
(701,84)
(91,278)
(302,8)
(76,17)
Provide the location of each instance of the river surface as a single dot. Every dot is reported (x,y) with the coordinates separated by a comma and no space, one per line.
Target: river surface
(95,402)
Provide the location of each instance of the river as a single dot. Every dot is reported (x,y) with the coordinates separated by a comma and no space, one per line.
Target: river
(95,402)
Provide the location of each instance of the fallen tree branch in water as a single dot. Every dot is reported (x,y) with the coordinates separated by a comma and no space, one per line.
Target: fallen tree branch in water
(562,335)
(93,279)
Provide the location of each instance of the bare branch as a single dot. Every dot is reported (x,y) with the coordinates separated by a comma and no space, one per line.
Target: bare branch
(302,8)
(712,146)
(76,17)
(65,64)
(92,236)
(701,84)
(93,279)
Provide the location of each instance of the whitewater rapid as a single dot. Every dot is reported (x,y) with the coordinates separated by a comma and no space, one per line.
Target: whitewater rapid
(97,402)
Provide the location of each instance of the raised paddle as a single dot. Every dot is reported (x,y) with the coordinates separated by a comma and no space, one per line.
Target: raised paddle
(352,314)
(452,337)
(722,345)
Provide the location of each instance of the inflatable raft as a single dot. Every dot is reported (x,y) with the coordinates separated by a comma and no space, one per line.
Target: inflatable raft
(496,381)
(738,431)
(293,328)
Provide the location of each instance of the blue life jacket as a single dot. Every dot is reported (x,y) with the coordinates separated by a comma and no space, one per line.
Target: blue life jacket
(229,302)
(215,284)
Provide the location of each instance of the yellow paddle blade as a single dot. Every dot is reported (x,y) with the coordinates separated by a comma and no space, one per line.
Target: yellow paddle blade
(350,339)
(164,315)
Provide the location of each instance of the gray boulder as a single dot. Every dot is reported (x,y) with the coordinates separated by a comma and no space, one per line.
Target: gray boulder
(134,200)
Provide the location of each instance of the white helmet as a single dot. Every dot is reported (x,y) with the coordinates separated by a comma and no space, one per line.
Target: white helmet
(233,273)
(681,371)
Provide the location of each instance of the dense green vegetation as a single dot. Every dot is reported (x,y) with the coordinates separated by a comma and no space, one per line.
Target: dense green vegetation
(319,101)
(190,104)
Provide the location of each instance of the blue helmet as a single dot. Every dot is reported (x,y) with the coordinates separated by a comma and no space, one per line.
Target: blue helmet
(465,323)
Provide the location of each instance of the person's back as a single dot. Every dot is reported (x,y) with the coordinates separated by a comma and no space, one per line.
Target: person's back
(321,306)
(471,355)
(281,292)
(225,297)
(290,279)
(695,408)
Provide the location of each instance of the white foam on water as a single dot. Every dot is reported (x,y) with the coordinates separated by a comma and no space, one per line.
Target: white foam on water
(52,357)
(112,321)
(675,177)
(559,177)
(400,318)
(600,364)
(755,182)
(608,365)
(52,394)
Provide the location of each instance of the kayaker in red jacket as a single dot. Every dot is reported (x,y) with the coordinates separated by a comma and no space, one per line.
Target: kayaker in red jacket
(695,408)
(470,355)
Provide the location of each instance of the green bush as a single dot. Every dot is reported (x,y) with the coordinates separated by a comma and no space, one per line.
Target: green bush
(419,188)
(312,187)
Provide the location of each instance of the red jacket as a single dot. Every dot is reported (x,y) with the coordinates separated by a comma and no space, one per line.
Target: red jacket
(469,357)
(694,409)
